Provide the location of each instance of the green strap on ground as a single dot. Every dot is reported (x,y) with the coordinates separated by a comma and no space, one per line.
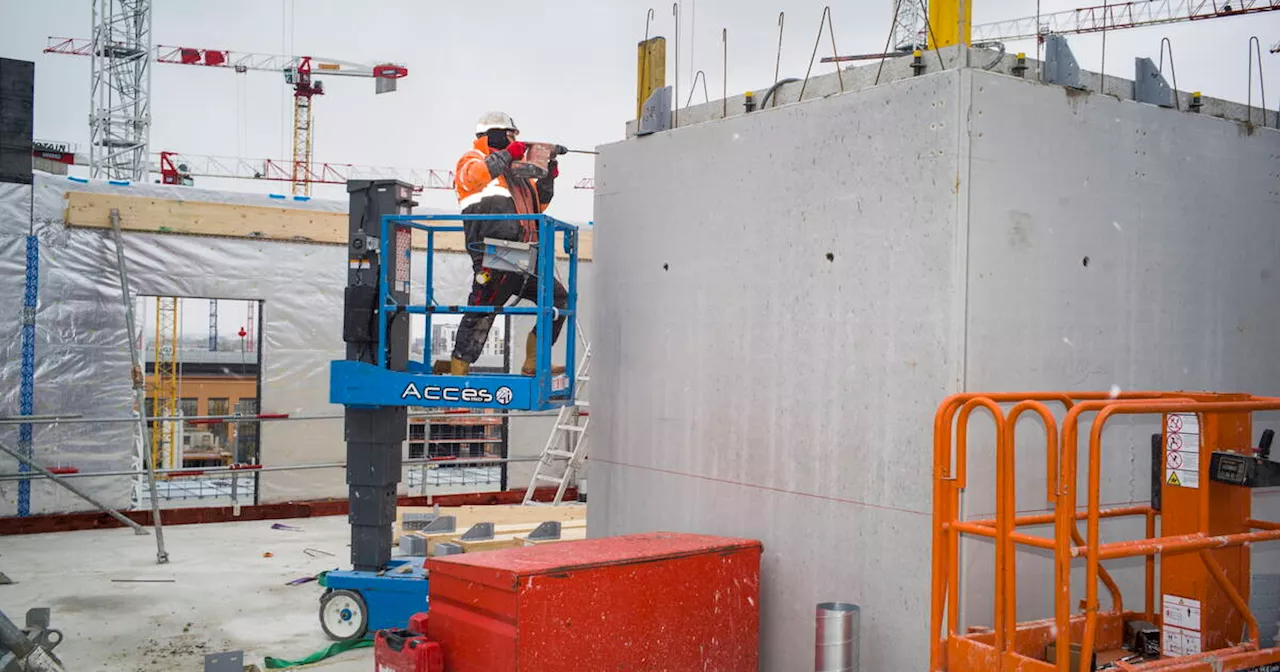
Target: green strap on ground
(327,652)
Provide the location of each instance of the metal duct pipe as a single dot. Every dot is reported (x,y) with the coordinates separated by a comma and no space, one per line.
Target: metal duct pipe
(835,647)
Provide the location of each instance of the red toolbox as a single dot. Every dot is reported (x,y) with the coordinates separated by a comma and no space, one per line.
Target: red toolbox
(407,650)
(641,602)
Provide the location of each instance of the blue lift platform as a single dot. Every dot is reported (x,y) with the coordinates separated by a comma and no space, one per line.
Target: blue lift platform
(358,384)
(378,381)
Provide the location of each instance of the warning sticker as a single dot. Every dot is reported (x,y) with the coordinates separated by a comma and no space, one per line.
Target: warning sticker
(1182,450)
(1179,642)
(1181,634)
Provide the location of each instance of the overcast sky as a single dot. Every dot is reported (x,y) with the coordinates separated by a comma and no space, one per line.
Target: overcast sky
(565,69)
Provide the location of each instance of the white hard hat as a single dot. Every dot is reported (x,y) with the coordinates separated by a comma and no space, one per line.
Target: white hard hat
(492,120)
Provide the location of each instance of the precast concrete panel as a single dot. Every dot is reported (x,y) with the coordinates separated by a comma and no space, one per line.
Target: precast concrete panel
(778,316)
(1112,245)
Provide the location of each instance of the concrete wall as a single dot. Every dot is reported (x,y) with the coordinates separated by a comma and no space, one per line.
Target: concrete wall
(776,321)
(1112,244)
(747,385)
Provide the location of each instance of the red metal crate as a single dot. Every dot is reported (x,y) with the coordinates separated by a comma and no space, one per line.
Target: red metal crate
(642,602)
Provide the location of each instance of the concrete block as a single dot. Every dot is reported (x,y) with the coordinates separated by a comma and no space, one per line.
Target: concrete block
(786,296)
(775,324)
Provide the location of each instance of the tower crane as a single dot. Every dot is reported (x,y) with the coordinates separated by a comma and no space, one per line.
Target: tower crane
(299,72)
(178,167)
(909,27)
(1118,16)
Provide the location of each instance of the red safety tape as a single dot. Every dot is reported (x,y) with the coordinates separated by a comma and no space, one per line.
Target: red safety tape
(243,418)
(63,470)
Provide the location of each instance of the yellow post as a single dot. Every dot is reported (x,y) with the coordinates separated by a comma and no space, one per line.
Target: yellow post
(651,69)
(950,22)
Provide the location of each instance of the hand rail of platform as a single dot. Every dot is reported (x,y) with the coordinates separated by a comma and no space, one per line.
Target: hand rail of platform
(1067,542)
(545,311)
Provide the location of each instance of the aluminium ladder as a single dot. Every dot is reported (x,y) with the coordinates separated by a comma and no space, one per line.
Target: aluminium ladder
(566,447)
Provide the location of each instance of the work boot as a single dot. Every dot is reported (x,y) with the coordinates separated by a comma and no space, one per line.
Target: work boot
(459,367)
(531,358)
(441,367)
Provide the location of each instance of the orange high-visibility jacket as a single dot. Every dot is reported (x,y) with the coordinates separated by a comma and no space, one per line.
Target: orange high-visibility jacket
(475,185)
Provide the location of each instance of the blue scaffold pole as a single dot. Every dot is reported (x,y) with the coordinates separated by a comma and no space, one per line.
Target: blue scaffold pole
(26,390)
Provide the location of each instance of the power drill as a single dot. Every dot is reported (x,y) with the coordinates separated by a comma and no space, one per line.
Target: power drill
(537,157)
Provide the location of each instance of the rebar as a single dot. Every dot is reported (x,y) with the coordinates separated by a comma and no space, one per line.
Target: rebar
(1102,69)
(777,63)
(893,24)
(835,53)
(928,27)
(693,88)
(675,68)
(724,95)
(1262,85)
(1173,72)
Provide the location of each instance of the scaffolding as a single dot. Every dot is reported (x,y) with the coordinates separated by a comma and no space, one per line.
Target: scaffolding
(165,441)
(120,90)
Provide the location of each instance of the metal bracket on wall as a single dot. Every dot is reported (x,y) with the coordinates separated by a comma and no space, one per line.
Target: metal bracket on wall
(545,531)
(442,524)
(412,522)
(1060,65)
(655,114)
(479,532)
(1149,85)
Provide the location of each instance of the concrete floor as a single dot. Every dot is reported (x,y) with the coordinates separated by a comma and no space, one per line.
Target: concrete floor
(225,595)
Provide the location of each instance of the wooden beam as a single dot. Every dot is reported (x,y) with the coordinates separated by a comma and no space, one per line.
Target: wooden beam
(226,220)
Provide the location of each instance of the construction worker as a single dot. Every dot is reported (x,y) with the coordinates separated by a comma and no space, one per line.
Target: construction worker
(485,184)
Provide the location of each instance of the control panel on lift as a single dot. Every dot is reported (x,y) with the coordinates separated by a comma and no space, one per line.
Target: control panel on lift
(1250,471)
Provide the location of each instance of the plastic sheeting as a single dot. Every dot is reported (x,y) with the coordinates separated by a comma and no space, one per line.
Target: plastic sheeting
(82,357)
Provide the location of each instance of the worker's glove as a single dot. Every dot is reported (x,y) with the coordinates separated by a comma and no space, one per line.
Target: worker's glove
(553,169)
(516,150)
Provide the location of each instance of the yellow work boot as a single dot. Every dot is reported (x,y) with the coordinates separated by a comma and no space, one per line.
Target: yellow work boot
(441,367)
(459,367)
(531,357)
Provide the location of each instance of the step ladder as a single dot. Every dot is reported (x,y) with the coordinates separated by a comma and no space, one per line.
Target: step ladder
(566,447)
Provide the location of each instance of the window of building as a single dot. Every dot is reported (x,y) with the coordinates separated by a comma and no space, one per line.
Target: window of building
(246,442)
(190,408)
(219,430)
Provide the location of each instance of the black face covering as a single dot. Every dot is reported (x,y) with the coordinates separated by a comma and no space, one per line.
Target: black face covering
(498,138)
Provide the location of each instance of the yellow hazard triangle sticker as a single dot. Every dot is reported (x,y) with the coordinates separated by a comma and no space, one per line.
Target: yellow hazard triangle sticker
(1173,478)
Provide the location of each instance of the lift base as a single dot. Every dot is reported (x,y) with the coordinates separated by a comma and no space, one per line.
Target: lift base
(388,598)
(976,652)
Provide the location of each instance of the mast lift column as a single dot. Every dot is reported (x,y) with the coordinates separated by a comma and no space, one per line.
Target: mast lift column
(377,592)
(375,435)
